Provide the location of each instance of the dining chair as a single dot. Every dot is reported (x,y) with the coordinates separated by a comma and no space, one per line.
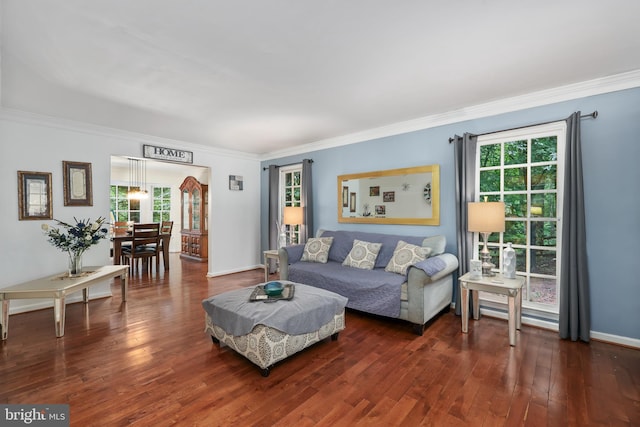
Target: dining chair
(144,246)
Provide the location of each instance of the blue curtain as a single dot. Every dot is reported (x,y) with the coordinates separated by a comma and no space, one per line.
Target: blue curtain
(465,169)
(575,317)
(306,201)
(274,220)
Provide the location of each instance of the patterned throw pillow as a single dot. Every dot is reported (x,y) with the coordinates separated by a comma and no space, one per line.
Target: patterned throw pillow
(317,249)
(362,255)
(406,255)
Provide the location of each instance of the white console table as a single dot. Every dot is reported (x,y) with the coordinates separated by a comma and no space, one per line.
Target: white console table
(57,287)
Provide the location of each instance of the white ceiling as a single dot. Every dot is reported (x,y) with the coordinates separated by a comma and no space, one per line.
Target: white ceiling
(260,76)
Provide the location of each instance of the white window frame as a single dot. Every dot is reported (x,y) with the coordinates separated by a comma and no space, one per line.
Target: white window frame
(294,233)
(558,129)
(153,200)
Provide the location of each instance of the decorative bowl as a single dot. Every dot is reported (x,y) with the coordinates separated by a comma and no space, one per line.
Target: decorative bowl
(273,289)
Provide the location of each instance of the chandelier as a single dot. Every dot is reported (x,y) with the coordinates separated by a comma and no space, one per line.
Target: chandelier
(137,179)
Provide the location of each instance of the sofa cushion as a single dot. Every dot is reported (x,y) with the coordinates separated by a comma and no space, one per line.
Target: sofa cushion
(362,255)
(343,242)
(405,255)
(373,291)
(317,249)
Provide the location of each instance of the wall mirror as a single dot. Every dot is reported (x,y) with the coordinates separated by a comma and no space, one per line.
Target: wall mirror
(395,196)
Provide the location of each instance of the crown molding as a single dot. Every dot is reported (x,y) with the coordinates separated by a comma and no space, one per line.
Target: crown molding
(103,131)
(569,92)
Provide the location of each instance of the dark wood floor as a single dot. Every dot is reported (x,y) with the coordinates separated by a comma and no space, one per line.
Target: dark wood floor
(148,362)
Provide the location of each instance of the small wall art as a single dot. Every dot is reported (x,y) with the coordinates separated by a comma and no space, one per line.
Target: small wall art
(34,195)
(235,182)
(77,184)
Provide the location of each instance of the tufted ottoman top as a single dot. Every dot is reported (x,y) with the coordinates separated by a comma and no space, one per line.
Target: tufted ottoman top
(310,308)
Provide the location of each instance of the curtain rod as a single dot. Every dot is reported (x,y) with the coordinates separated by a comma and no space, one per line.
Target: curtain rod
(592,115)
(288,164)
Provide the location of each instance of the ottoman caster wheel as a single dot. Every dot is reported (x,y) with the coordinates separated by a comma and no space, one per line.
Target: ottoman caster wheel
(334,337)
(215,340)
(265,372)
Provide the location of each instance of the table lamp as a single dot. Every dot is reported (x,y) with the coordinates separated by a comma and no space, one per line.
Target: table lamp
(486,218)
(292,217)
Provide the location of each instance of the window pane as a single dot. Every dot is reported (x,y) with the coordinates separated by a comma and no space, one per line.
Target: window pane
(489,181)
(287,180)
(515,153)
(113,191)
(135,216)
(157,192)
(544,149)
(112,205)
(515,179)
(122,216)
(521,259)
(515,205)
(489,155)
(514,232)
(543,290)
(134,205)
(156,217)
(543,233)
(296,178)
(123,205)
(543,204)
(122,192)
(166,205)
(157,204)
(543,262)
(543,177)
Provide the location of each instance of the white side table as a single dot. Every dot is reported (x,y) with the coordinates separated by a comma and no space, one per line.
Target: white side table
(497,284)
(270,254)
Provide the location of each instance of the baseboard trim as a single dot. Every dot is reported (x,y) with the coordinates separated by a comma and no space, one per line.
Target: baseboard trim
(543,324)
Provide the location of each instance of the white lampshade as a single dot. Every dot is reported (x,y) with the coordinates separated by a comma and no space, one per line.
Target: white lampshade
(486,217)
(293,215)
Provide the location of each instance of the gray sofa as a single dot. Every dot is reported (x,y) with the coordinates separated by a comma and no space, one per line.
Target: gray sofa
(416,297)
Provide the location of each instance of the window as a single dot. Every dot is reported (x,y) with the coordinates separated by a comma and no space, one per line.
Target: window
(290,187)
(123,208)
(161,204)
(524,169)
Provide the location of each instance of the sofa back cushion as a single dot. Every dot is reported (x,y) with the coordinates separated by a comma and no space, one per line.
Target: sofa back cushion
(343,242)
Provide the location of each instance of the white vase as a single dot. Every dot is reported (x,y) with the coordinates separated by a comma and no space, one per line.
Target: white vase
(509,262)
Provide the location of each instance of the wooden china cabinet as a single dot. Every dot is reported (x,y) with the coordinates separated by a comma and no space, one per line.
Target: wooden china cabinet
(194,219)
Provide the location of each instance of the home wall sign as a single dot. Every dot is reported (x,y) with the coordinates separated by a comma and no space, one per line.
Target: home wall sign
(167,154)
(396,196)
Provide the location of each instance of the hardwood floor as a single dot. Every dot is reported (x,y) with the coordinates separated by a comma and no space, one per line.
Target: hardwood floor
(148,362)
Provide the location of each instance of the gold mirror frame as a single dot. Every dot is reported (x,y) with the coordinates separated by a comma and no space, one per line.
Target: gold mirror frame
(408,196)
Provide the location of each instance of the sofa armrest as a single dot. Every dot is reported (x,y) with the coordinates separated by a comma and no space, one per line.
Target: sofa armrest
(429,283)
(437,266)
(289,255)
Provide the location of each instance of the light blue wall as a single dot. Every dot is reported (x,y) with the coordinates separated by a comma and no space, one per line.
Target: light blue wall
(611,160)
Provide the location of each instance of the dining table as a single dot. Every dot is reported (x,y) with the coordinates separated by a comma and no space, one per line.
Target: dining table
(119,239)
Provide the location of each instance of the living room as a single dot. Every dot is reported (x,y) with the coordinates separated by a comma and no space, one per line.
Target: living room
(238,225)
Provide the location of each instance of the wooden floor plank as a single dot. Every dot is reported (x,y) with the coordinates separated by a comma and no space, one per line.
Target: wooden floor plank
(148,362)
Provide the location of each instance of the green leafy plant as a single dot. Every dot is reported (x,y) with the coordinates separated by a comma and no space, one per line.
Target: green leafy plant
(76,238)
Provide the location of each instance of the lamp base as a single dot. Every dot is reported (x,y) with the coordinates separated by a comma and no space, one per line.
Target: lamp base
(487,265)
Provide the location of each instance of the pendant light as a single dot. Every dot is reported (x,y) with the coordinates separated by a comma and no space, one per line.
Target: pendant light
(137,179)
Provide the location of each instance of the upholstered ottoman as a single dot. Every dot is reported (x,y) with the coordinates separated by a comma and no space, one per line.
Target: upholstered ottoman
(268,332)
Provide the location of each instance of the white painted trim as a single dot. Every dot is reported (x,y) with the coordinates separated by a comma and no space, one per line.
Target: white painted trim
(615,339)
(235,270)
(593,87)
(103,131)
(599,336)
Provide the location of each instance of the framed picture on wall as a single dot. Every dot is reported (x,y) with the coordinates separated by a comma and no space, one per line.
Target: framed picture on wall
(34,195)
(352,202)
(77,184)
(345,197)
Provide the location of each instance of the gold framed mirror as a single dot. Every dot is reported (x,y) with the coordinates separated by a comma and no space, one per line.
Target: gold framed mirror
(395,196)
